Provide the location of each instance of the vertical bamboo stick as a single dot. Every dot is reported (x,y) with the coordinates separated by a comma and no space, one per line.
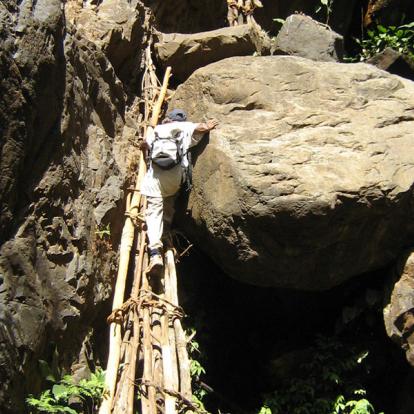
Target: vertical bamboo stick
(181,340)
(137,334)
(156,349)
(148,403)
(167,366)
(163,92)
(168,351)
(171,333)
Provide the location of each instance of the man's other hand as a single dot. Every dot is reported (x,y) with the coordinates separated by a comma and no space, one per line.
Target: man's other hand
(143,145)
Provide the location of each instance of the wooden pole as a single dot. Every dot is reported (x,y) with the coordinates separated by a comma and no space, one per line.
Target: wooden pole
(169,350)
(181,340)
(148,403)
(167,366)
(137,334)
(171,333)
(157,108)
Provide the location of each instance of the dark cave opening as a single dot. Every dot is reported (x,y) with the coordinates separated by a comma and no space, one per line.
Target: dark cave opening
(241,329)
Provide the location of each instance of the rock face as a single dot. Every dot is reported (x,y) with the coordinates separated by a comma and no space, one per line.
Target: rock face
(64,129)
(117,27)
(302,36)
(399,313)
(308,179)
(187,52)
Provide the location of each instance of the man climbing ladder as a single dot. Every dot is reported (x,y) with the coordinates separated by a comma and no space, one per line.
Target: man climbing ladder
(168,148)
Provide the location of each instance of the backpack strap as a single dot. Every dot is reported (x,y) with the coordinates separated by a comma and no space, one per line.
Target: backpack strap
(156,137)
(188,172)
(180,152)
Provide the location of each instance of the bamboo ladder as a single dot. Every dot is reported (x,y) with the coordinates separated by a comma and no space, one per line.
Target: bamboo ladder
(147,344)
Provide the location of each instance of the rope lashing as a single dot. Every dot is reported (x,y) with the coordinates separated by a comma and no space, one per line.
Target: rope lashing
(147,299)
(184,401)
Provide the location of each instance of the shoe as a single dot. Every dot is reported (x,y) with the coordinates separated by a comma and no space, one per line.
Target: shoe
(155,265)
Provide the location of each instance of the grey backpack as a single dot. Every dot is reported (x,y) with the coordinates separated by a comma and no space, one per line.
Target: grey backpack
(166,151)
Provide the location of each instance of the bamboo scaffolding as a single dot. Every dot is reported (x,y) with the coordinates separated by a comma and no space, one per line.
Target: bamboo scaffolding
(147,327)
(120,402)
(127,238)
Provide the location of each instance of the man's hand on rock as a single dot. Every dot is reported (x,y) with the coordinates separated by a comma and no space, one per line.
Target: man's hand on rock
(207,126)
(212,123)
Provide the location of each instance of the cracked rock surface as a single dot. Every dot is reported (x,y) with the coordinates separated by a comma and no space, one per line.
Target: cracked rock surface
(63,164)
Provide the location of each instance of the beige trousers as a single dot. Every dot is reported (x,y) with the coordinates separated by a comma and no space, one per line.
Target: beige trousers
(159,214)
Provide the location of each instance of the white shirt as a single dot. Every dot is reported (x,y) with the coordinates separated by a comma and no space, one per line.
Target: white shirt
(165,183)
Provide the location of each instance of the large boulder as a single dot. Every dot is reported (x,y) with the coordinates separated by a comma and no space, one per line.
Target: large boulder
(308,179)
(302,36)
(187,52)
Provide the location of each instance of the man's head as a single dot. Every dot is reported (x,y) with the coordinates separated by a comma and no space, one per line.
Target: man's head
(177,115)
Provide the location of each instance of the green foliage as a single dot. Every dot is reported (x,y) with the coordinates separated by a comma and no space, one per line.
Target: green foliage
(87,393)
(359,406)
(196,371)
(101,233)
(329,383)
(265,410)
(399,38)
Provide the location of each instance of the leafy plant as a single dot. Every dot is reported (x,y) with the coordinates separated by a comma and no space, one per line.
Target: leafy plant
(196,371)
(399,38)
(87,393)
(106,231)
(358,406)
(328,383)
